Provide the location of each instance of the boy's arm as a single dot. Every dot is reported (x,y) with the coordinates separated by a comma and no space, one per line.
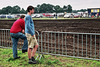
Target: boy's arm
(22,24)
(28,26)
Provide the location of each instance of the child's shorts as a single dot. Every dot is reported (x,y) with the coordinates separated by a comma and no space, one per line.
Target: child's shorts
(32,41)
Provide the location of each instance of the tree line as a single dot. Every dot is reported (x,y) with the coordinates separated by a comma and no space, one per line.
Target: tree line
(43,8)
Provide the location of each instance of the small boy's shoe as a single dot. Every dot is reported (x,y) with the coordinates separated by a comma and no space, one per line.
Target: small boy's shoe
(32,61)
(17,58)
(33,58)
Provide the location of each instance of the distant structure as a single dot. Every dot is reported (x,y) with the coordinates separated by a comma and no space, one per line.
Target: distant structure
(93,12)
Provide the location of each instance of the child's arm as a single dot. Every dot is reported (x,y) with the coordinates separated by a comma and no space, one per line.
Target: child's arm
(28,26)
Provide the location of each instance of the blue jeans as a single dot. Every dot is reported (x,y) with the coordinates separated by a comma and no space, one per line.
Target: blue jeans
(15,37)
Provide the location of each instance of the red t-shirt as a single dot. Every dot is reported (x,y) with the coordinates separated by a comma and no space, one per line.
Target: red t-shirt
(18,26)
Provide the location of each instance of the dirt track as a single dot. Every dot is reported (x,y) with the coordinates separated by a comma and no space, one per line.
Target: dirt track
(69,25)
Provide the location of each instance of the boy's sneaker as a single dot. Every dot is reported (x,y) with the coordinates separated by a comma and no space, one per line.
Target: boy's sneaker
(16,58)
(32,61)
(33,58)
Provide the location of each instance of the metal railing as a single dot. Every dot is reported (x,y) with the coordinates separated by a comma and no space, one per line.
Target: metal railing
(5,39)
(69,44)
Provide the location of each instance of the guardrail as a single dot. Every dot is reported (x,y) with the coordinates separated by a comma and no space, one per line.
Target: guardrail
(5,39)
(69,44)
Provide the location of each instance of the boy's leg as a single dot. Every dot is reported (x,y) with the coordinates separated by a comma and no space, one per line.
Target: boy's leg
(31,59)
(35,46)
(30,47)
(34,50)
(15,42)
(25,45)
(29,53)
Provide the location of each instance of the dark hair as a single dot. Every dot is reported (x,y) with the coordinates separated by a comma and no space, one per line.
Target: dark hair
(22,16)
(30,8)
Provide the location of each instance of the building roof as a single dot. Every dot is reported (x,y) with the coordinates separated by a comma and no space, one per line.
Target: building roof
(93,8)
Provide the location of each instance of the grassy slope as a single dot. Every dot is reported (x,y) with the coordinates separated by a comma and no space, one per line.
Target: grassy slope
(6,60)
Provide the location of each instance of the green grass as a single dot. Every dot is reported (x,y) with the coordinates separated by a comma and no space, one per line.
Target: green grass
(6,60)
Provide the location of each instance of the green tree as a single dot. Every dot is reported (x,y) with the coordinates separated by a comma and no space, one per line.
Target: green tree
(0,11)
(58,9)
(46,8)
(43,8)
(74,11)
(69,8)
(23,11)
(16,9)
(65,8)
(36,10)
(83,10)
(4,11)
(8,9)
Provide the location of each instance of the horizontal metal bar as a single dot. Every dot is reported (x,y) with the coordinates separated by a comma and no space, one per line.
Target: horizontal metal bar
(65,32)
(9,30)
(72,33)
(4,29)
(8,48)
(72,56)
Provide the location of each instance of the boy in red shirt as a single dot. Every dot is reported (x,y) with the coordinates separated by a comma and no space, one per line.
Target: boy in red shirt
(16,32)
